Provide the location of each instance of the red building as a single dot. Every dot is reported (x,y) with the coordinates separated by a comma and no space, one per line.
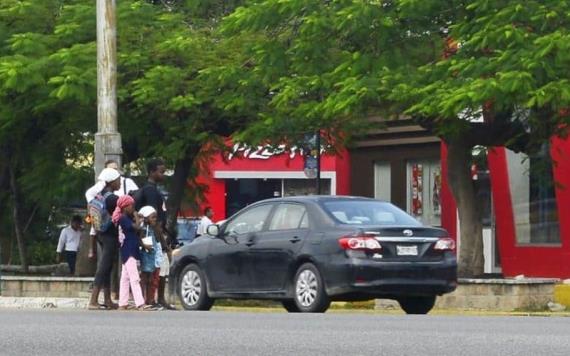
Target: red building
(526,227)
(253,174)
(531,220)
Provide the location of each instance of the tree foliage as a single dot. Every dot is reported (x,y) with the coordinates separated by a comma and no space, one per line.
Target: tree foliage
(191,71)
(171,94)
(479,72)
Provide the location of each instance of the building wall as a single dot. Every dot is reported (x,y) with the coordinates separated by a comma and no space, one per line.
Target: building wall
(362,167)
(546,260)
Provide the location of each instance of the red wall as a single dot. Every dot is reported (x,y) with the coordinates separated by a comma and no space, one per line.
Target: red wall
(448,206)
(532,260)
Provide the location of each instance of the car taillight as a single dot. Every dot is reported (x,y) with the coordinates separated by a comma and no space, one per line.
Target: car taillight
(363,243)
(444,244)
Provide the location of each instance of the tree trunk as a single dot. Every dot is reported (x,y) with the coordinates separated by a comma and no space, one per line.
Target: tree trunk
(471,259)
(178,185)
(16,211)
(5,236)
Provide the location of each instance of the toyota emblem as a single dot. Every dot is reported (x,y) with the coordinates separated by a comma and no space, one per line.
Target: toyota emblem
(408,232)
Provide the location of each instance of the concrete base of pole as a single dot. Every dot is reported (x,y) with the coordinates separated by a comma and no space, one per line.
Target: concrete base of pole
(107,146)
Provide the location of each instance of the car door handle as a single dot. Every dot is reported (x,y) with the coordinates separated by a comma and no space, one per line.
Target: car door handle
(250,242)
(295,239)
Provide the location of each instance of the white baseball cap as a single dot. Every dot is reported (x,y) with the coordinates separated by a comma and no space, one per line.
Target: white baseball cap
(108,175)
(147,211)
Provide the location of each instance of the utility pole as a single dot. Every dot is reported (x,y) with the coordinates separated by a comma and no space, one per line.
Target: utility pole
(107,138)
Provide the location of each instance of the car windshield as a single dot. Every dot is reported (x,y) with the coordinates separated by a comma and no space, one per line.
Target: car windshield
(368,212)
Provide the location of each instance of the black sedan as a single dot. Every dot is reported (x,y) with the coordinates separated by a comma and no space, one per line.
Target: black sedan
(309,251)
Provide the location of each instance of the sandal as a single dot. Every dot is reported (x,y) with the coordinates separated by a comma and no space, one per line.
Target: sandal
(145,307)
(97,307)
(126,307)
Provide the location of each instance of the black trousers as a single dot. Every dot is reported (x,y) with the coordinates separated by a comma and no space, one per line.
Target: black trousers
(71,258)
(109,246)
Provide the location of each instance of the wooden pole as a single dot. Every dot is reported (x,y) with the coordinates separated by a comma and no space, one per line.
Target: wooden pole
(107,139)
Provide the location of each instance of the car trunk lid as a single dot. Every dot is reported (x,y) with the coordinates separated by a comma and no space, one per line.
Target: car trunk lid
(402,244)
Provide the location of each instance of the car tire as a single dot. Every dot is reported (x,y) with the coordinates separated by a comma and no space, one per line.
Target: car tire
(309,290)
(290,306)
(417,305)
(192,289)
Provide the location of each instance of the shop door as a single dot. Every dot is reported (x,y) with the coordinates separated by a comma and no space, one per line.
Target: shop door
(424,191)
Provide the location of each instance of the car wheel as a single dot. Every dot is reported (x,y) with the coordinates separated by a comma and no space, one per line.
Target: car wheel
(310,294)
(192,289)
(417,305)
(290,306)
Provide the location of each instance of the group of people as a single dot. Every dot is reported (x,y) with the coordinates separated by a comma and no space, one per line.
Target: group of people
(137,234)
(136,239)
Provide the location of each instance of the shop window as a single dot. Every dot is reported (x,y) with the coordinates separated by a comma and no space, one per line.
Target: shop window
(382,181)
(533,197)
(296,187)
(424,191)
(243,192)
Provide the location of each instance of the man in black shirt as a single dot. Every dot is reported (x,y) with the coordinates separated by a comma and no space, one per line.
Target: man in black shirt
(151,195)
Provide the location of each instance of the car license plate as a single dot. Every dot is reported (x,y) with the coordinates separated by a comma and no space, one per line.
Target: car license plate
(407,250)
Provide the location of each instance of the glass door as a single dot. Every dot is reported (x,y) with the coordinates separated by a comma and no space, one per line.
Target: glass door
(424,191)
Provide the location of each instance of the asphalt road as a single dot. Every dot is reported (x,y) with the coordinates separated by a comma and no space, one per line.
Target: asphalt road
(78,332)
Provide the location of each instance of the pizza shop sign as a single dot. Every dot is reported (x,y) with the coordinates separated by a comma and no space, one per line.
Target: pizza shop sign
(264,152)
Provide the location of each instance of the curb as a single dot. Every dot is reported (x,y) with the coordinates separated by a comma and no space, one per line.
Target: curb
(43,303)
(81,303)
(562,294)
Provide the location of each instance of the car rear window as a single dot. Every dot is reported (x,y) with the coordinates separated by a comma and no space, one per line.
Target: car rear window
(364,212)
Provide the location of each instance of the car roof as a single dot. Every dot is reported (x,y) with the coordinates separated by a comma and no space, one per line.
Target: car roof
(316,198)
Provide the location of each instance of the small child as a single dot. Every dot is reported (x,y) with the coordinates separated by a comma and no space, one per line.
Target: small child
(129,222)
(151,258)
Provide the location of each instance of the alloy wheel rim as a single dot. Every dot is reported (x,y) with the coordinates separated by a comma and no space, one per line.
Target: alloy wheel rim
(306,288)
(191,288)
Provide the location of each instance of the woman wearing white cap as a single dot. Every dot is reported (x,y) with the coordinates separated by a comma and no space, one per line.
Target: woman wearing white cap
(108,241)
(127,184)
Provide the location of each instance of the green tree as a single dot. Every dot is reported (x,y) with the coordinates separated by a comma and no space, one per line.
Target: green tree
(174,76)
(44,92)
(444,63)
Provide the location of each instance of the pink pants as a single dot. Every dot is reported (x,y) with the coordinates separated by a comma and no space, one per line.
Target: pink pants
(130,278)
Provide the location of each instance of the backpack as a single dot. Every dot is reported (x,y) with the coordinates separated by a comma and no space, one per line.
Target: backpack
(97,210)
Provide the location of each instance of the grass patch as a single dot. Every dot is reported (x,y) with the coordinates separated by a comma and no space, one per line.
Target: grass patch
(248,303)
(366,305)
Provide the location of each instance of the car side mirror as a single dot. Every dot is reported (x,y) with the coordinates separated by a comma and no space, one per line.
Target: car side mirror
(213,230)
